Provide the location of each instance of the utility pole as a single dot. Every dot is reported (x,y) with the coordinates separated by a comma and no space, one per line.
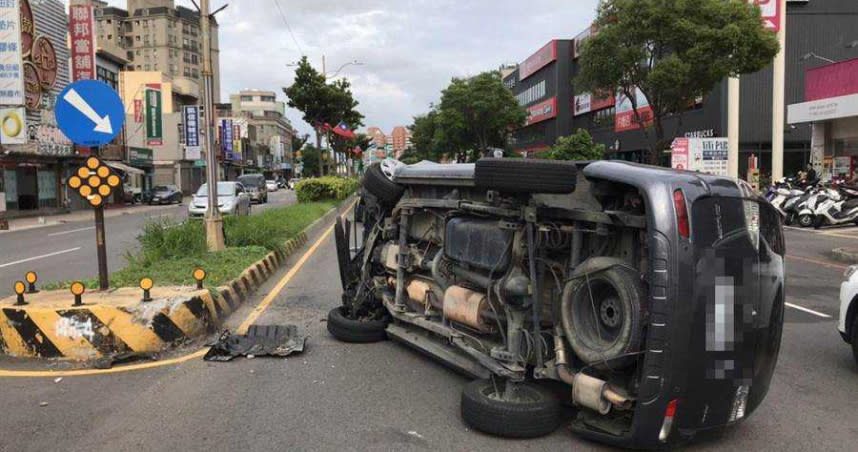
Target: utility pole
(214,220)
(778,83)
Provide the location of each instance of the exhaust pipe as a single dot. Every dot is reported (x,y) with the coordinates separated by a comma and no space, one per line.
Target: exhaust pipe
(587,391)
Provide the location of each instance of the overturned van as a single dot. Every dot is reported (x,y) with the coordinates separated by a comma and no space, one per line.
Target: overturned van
(652,298)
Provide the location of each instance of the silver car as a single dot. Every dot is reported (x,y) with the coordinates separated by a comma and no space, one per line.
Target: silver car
(232,199)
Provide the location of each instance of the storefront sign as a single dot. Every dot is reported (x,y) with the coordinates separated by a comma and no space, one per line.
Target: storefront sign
(226,136)
(45,59)
(11,55)
(823,109)
(28,28)
(82,37)
(707,133)
(49,140)
(587,102)
(191,121)
(705,155)
(578,43)
(154,121)
(679,154)
(32,87)
(771,12)
(13,125)
(540,112)
(138,111)
(832,80)
(139,156)
(626,119)
(538,60)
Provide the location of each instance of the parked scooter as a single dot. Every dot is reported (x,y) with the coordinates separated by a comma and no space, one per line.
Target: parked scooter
(806,208)
(838,212)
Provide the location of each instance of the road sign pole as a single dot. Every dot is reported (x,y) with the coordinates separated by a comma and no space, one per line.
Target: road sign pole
(101,247)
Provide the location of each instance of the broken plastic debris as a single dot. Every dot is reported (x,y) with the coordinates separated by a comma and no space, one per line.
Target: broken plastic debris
(58,379)
(260,340)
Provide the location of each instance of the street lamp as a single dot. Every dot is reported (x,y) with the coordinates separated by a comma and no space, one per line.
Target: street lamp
(809,55)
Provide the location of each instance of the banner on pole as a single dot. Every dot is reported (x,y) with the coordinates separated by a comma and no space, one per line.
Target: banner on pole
(154,120)
(82,37)
(191,121)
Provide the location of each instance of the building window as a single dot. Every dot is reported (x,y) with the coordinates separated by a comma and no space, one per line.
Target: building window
(137,38)
(268,99)
(195,59)
(194,73)
(532,94)
(247,98)
(148,67)
(106,76)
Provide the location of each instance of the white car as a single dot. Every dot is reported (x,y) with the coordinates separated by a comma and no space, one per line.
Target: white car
(271,185)
(848,324)
(232,199)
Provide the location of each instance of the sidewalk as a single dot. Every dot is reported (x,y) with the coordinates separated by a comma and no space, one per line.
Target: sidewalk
(20,224)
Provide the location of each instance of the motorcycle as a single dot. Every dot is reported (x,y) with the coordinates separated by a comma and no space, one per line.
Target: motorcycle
(831,211)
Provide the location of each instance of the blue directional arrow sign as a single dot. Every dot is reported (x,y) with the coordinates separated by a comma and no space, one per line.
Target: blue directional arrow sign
(90,113)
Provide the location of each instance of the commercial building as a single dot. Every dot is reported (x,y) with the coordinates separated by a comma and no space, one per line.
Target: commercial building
(830,107)
(543,83)
(261,119)
(35,156)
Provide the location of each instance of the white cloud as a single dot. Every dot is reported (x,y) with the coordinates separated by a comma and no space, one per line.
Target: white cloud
(410,48)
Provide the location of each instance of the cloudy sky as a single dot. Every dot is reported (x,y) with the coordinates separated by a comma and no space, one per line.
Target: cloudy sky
(410,48)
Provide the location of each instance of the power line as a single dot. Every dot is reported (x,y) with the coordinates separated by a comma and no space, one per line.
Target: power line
(277,3)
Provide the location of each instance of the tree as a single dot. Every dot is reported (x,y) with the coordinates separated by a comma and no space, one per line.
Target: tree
(578,146)
(478,113)
(427,138)
(320,102)
(311,157)
(673,52)
(299,141)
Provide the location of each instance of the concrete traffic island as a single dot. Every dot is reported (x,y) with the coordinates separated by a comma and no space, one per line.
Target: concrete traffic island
(118,322)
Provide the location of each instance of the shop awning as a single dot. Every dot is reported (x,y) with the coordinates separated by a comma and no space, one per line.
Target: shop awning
(124,168)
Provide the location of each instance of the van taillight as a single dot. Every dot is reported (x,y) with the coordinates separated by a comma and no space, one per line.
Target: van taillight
(681,214)
(667,425)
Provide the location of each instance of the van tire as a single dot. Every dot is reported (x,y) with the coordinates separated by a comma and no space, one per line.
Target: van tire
(375,182)
(537,415)
(526,176)
(355,330)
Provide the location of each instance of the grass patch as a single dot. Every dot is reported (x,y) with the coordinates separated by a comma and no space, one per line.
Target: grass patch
(170,251)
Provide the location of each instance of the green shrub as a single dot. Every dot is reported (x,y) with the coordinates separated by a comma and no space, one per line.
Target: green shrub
(322,188)
(168,239)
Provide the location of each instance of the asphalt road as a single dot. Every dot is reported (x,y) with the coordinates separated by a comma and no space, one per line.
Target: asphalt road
(67,251)
(383,396)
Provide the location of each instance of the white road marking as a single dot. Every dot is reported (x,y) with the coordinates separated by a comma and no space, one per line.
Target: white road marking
(72,231)
(809,311)
(9,264)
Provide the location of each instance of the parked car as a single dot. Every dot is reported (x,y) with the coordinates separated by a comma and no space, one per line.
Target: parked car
(232,199)
(848,322)
(613,285)
(131,195)
(255,186)
(271,185)
(164,194)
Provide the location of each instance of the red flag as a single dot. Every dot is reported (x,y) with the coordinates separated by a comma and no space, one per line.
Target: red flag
(343,130)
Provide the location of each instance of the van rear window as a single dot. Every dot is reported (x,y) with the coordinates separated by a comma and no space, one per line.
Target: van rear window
(724,221)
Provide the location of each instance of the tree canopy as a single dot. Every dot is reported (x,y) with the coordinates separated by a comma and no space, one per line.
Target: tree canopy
(477,113)
(578,147)
(322,102)
(427,139)
(672,51)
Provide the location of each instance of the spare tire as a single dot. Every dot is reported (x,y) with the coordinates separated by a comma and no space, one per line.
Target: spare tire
(384,189)
(526,176)
(602,316)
